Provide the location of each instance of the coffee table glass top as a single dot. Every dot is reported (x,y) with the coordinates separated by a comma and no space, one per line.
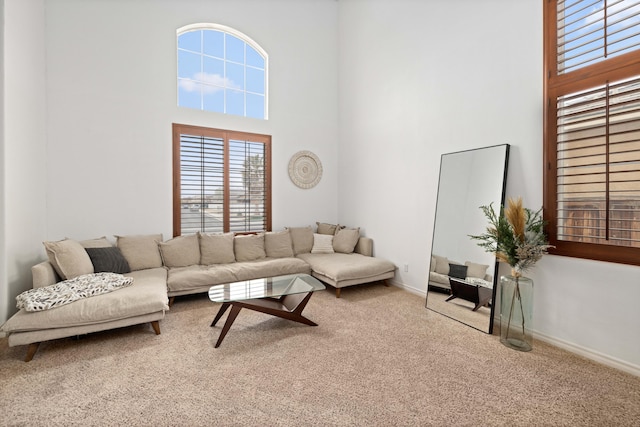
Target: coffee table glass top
(265,288)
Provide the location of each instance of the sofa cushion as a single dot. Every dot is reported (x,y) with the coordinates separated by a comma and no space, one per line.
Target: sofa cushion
(342,267)
(147,294)
(277,244)
(249,247)
(108,260)
(141,250)
(345,240)
(216,248)
(68,258)
(442,265)
(302,238)
(100,242)
(324,228)
(476,270)
(270,267)
(180,251)
(322,244)
(196,277)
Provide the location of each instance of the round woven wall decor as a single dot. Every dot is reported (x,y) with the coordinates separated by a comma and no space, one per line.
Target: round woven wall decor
(305,169)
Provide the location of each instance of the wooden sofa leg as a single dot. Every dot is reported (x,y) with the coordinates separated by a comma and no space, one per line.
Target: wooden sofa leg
(156,326)
(385,282)
(171,300)
(338,292)
(31,351)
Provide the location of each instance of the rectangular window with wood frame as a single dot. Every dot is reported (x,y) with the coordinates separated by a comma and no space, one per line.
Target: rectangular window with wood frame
(221,181)
(592,128)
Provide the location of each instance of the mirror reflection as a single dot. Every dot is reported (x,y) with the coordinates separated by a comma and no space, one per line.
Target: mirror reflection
(462,276)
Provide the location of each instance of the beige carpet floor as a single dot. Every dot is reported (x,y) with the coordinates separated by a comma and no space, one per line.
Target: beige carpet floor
(377,358)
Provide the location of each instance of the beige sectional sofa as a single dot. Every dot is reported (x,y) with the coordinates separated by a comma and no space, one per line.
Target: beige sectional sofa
(441,267)
(163,270)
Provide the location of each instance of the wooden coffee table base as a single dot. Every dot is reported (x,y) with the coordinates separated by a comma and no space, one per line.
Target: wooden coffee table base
(287,307)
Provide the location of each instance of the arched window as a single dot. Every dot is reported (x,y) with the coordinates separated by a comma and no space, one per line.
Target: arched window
(222,70)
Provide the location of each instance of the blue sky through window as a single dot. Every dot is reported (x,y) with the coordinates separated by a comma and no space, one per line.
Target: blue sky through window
(221,72)
(583,24)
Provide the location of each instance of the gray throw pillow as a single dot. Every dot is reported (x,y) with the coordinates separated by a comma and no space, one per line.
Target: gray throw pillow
(458,271)
(108,260)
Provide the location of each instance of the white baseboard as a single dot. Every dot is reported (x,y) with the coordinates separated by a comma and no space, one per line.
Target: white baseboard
(590,354)
(409,289)
(565,345)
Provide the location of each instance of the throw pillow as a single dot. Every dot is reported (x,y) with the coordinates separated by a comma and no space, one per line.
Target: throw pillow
(141,250)
(476,270)
(277,244)
(442,265)
(108,260)
(216,248)
(68,258)
(249,247)
(302,238)
(345,240)
(324,228)
(180,251)
(458,271)
(322,244)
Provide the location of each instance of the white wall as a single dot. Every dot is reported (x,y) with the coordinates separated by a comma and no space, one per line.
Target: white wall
(416,79)
(422,78)
(24,147)
(111,76)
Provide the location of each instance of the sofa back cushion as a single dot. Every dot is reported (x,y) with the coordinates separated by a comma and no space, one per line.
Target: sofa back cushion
(216,248)
(141,250)
(68,258)
(476,270)
(99,242)
(277,244)
(345,240)
(325,228)
(249,247)
(181,251)
(302,238)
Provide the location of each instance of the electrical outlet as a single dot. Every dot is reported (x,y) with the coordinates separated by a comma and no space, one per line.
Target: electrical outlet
(406,268)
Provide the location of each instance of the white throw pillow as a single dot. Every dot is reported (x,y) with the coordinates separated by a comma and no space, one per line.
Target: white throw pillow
(322,244)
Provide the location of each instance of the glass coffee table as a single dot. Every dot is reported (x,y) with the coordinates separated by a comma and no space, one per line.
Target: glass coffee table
(281,296)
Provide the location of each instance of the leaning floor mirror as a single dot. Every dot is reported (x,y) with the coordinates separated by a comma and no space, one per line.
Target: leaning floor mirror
(462,276)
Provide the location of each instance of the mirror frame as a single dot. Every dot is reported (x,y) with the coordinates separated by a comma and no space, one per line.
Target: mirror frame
(435,223)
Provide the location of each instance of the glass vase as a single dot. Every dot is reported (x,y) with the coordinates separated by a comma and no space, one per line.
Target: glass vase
(516,312)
